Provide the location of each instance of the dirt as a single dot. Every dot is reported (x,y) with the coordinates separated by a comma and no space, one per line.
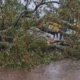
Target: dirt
(60,70)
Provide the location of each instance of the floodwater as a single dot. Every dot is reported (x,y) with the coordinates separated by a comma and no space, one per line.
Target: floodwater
(60,70)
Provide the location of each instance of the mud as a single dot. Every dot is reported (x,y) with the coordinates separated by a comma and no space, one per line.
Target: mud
(60,70)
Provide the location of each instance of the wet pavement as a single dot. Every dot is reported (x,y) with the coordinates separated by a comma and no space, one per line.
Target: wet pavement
(60,70)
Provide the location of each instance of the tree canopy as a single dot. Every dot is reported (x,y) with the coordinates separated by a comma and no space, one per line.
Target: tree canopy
(16,19)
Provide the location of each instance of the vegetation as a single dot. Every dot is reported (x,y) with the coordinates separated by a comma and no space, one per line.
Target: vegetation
(17,47)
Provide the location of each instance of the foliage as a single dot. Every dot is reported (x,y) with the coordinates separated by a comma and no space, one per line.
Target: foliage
(26,52)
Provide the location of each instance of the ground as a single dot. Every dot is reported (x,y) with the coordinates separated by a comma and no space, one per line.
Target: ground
(59,70)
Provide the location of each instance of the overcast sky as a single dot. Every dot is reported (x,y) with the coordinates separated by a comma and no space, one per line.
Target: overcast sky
(32,4)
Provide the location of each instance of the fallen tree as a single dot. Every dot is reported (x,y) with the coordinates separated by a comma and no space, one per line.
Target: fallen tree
(26,12)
